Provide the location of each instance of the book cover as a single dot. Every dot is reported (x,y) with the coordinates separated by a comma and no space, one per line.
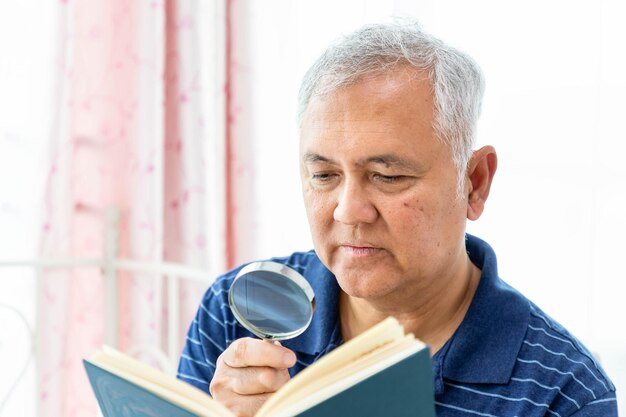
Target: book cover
(119,397)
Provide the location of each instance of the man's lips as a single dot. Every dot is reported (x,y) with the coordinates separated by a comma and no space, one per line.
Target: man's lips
(359,250)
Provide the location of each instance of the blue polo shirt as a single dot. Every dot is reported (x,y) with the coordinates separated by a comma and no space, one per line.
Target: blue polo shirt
(507,358)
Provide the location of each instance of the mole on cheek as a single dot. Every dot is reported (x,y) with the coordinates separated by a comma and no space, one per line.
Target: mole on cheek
(413,204)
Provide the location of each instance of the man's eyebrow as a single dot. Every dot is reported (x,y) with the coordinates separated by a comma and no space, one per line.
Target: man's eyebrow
(311,157)
(391,160)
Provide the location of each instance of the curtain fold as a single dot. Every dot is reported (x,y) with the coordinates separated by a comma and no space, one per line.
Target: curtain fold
(134,136)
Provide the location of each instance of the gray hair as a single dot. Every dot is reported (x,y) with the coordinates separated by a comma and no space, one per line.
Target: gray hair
(378,49)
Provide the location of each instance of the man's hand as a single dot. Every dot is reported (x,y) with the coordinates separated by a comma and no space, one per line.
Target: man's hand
(248,372)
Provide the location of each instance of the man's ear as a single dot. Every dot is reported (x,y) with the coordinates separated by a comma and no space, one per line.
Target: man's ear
(481,170)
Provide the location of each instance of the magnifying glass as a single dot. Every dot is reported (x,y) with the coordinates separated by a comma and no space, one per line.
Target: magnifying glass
(272,300)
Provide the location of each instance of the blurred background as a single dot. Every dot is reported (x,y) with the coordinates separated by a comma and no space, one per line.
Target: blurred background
(147,146)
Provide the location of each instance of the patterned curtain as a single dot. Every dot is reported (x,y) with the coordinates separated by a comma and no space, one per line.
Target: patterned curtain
(139,136)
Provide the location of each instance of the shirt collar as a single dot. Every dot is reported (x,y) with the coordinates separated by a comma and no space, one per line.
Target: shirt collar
(323,330)
(485,346)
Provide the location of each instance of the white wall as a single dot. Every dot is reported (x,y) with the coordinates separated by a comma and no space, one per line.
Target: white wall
(27,48)
(553,109)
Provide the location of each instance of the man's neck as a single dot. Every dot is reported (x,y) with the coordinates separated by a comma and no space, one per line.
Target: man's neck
(432,315)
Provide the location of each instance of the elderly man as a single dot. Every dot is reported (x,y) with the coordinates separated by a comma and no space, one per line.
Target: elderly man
(389,179)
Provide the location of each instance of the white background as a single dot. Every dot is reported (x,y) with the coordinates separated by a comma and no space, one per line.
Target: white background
(27,71)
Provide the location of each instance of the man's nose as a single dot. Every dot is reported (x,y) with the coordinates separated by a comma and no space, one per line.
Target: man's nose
(354,205)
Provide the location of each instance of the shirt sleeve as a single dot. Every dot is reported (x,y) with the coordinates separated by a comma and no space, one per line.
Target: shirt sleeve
(605,406)
(206,339)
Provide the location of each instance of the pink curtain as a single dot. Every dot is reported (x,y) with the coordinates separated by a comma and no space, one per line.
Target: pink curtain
(131,135)
(240,227)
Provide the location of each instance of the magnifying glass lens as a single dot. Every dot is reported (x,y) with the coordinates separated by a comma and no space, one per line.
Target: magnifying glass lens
(270,304)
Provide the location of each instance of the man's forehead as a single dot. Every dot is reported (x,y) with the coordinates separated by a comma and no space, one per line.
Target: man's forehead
(335,122)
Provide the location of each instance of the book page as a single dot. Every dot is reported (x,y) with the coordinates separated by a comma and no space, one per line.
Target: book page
(383,333)
(159,383)
(345,376)
(351,377)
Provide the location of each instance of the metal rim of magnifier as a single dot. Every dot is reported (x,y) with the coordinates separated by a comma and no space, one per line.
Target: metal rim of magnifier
(284,270)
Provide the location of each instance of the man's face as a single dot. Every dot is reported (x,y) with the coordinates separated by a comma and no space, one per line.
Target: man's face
(380,189)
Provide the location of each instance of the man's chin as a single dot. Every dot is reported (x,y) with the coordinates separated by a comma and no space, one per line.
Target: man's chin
(363,284)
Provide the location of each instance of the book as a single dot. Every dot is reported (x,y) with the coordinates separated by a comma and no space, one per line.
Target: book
(383,371)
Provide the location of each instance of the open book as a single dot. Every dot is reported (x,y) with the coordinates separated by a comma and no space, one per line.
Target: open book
(380,372)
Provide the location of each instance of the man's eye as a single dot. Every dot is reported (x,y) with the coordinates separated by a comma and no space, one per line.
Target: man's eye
(389,179)
(322,177)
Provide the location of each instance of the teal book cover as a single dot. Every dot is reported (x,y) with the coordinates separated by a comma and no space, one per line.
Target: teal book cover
(118,397)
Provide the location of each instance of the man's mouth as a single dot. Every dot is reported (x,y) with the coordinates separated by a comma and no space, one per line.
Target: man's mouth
(359,250)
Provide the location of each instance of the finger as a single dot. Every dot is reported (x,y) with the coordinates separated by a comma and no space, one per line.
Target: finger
(245,405)
(254,352)
(258,380)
